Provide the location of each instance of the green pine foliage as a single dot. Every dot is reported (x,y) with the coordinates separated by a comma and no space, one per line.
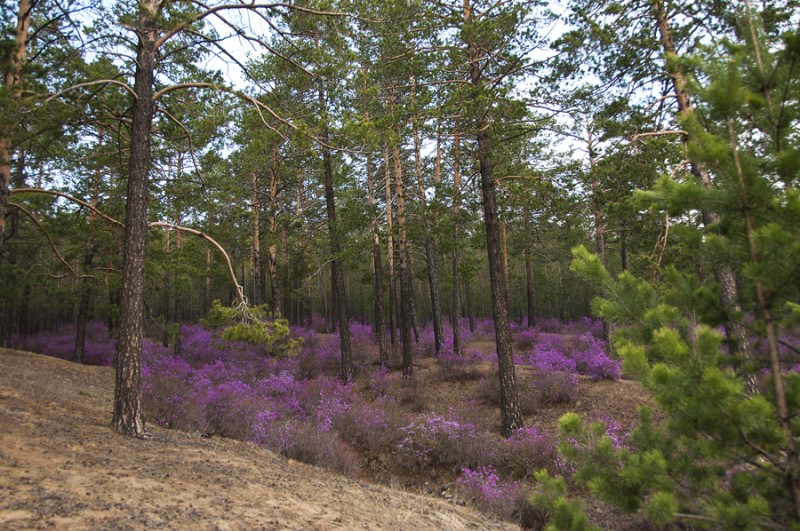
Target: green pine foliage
(253,326)
(714,454)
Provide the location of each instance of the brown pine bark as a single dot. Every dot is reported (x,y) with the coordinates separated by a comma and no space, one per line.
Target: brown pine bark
(337,275)
(377,267)
(406,287)
(128,416)
(13,91)
(272,253)
(255,245)
(530,306)
(511,415)
(457,284)
(390,248)
(431,241)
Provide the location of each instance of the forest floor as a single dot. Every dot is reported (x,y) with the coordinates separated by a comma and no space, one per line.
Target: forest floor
(61,467)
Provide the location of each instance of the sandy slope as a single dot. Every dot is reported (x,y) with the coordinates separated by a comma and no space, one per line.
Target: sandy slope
(62,467)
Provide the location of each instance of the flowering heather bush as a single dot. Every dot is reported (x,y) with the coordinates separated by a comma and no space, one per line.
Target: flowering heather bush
(380,381)
(322,390)
(484,488)
(362,343)
(232,409)
(484,329)
(60,343)
(460,368)
(434,440)
(551,324)
(170,397)
(319,323)
(303,441)
(525,452)
(556,387)
(549,359)
(593,361)
(323,357)
(526,338)
(367,426)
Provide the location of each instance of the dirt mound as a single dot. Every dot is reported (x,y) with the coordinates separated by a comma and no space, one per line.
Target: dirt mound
(61,466)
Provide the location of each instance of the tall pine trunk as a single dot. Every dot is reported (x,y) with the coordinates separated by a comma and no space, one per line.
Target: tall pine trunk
(530,307)
(377,267)
(128,416)
(431,243)
(338,293)
(511,415)
(13,90)
(406,287)
(272,252)
(390,248)
(457,284)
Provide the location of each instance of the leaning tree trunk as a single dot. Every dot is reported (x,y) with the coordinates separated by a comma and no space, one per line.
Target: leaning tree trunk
(128,416)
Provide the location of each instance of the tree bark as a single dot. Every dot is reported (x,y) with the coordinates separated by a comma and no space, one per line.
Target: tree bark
(509,402)
(529,288)
(406,287)
(272,253)
(390,249)
(128,416)
(13,89)
(377,267)
(337,275)
(457,284)
(430,238)
(255,245)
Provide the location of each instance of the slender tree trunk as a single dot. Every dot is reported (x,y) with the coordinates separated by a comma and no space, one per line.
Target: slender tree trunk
(406,287)
(377,267)
(337,275)
(177,314)
(738,343)
(623,250)
(255,247)
(272,253)
(128,416)
(509,402)
(86,283)
(599,226)
(430,238)
(390,249)
(13,89)
(207,284)
(457,284)
(529,288)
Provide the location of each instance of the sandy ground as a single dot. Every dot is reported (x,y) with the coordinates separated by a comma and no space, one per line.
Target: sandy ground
(61,467)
